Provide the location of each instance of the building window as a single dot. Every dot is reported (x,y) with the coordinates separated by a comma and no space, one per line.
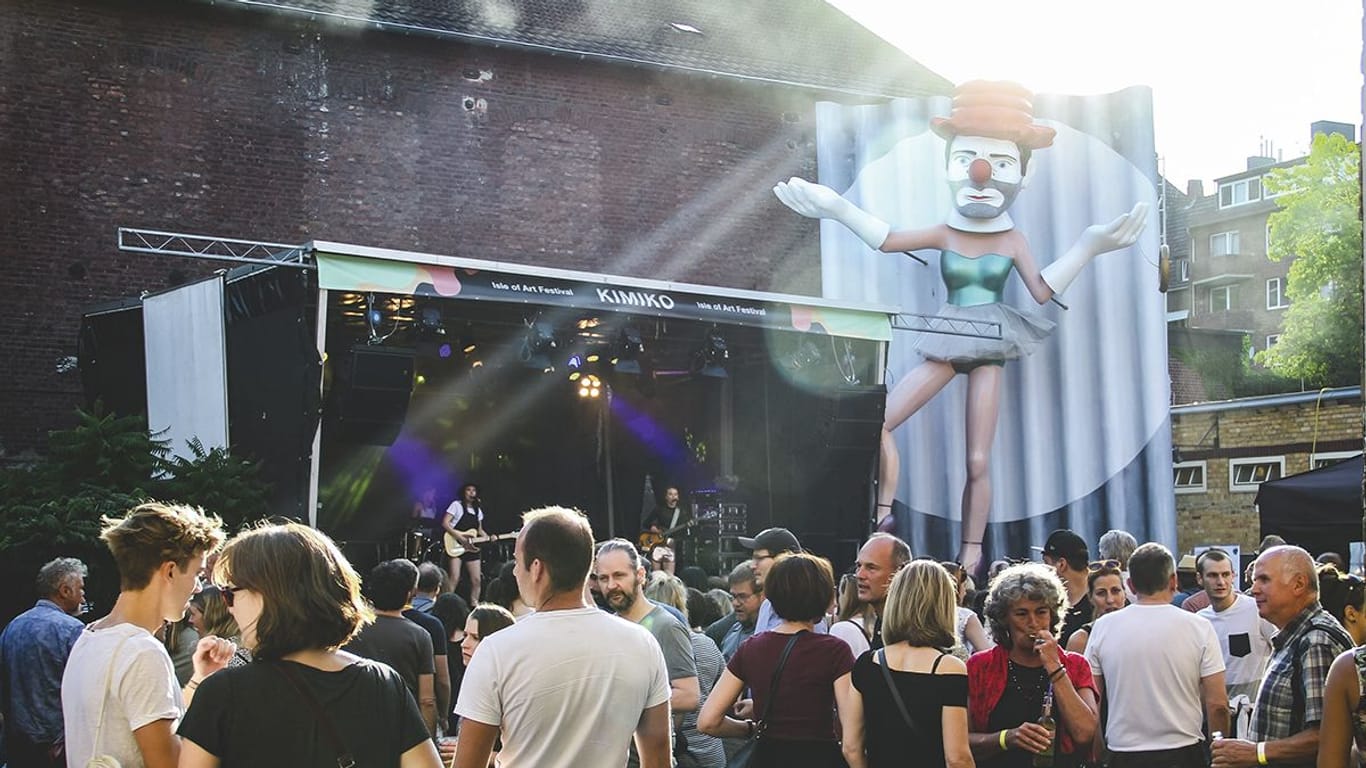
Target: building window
(1275,297)
(1240,192)
(1223,298)
(1321,460)
(1273,340)
(1189,476)
(1183,271)
(1247,474)
(1223,244)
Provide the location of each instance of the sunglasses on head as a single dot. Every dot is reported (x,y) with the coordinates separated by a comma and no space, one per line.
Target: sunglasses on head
(1096,565)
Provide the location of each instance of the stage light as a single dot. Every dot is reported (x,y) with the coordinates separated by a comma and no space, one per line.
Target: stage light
(469,346)
(575,362)
(420,379)
(431,321)
(590,386)
(443,351)
(574,376)
(629,347)
(808,355)
(537,345)
(710,359)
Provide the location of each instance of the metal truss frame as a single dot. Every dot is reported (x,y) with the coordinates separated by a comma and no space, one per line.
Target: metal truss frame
(954,326)
(213,248)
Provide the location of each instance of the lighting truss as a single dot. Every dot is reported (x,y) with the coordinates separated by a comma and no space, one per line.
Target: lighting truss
(212,248)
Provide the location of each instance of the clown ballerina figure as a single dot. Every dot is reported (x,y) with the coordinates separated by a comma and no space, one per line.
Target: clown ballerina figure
(991,134)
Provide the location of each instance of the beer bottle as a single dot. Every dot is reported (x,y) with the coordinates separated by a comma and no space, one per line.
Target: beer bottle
(1044,759)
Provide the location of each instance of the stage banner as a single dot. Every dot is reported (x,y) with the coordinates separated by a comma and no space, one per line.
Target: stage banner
(187,376)
(1020,415)
(358,273)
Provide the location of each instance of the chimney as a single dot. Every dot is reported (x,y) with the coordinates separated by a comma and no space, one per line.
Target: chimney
(1328,127)
(1195,189)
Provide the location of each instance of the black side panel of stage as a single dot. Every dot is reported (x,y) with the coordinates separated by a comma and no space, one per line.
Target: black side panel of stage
(273,371)
(113,360)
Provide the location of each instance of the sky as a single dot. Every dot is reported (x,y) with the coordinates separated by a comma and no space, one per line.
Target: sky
(1226,75)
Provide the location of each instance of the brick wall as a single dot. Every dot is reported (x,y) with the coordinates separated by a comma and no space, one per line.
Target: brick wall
(201,119)
(1219,515)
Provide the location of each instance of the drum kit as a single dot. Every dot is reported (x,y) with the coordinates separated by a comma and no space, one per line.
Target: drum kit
(420,546)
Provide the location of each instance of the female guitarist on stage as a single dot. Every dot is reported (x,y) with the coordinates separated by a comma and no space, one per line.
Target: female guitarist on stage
(463,516)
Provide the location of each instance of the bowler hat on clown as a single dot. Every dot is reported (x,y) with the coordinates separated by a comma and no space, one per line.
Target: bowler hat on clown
(997,110)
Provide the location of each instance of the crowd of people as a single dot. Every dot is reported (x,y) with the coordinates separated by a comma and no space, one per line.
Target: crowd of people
(602,659)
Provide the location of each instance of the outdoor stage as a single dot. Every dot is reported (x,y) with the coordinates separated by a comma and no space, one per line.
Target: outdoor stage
(541,386)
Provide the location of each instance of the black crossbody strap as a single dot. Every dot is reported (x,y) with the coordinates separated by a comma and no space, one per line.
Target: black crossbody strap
(777,676)
(344,757)
(896,695)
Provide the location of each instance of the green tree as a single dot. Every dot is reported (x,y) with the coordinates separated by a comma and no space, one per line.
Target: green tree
(1319,226)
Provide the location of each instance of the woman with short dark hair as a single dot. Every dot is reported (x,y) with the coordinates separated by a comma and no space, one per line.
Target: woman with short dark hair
(799,731)
(302,701)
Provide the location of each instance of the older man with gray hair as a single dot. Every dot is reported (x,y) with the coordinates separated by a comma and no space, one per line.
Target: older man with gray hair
(33,653)
(1285,721)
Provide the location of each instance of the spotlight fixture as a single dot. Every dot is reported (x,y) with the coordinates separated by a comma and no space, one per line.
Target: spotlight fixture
(590,386)
(808,355)
(629,347)
(710,359)
(537,345)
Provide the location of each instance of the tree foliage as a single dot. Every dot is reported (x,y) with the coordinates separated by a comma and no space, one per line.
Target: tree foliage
(103,466)
(1319,226)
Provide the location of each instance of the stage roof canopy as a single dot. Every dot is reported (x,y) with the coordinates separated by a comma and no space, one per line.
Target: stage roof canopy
(343,267)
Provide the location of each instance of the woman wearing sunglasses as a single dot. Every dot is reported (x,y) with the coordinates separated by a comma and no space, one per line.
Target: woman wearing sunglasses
(1344,708)
(302,701)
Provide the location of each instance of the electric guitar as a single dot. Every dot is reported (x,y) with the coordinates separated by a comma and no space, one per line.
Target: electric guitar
(649,539)
(455,548)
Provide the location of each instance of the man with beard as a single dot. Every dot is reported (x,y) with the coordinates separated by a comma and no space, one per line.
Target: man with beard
(990,136)
(621,576)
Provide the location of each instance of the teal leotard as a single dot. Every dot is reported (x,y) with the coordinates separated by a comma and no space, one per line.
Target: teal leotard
(974,281)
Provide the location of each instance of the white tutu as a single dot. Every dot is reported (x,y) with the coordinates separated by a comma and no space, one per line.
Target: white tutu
(1021,333)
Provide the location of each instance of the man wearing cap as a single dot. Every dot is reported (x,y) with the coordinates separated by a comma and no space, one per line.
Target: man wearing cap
(770,543)
(1285,720)
(991,134)
(1066,552)
(1187,581)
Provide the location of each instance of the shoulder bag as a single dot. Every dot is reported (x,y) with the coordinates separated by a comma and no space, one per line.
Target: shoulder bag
(747,752)
(98,760)
(881,656)
(344,757)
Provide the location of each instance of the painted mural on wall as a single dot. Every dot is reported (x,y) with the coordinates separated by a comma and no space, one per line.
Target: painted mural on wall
(1014,405)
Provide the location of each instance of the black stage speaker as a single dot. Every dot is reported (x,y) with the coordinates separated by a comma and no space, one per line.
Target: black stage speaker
(373,399)
(853,418)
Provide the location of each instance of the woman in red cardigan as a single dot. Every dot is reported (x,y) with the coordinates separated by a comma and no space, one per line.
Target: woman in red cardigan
(1007,684)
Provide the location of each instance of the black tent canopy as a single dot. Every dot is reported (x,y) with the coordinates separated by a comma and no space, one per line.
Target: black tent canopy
(1319,510)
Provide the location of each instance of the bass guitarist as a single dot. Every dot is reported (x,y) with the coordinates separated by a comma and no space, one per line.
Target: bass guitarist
(466,514)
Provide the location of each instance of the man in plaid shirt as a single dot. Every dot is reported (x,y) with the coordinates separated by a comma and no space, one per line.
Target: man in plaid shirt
(1285,722)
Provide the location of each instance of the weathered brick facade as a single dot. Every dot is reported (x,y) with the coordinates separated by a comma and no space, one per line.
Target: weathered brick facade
(204,119)
(1219,438)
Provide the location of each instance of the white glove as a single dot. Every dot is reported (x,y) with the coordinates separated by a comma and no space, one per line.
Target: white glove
(817,201)
(1097,239)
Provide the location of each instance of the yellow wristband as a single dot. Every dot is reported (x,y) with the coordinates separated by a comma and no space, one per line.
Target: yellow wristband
(1261,753)
(1003,740)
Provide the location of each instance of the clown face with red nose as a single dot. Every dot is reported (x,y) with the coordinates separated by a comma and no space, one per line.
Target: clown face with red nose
(990,134)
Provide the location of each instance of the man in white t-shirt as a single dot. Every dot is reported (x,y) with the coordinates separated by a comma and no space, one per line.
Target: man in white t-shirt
(568,685)
(1244,636)
(119,692)
(1158,665)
